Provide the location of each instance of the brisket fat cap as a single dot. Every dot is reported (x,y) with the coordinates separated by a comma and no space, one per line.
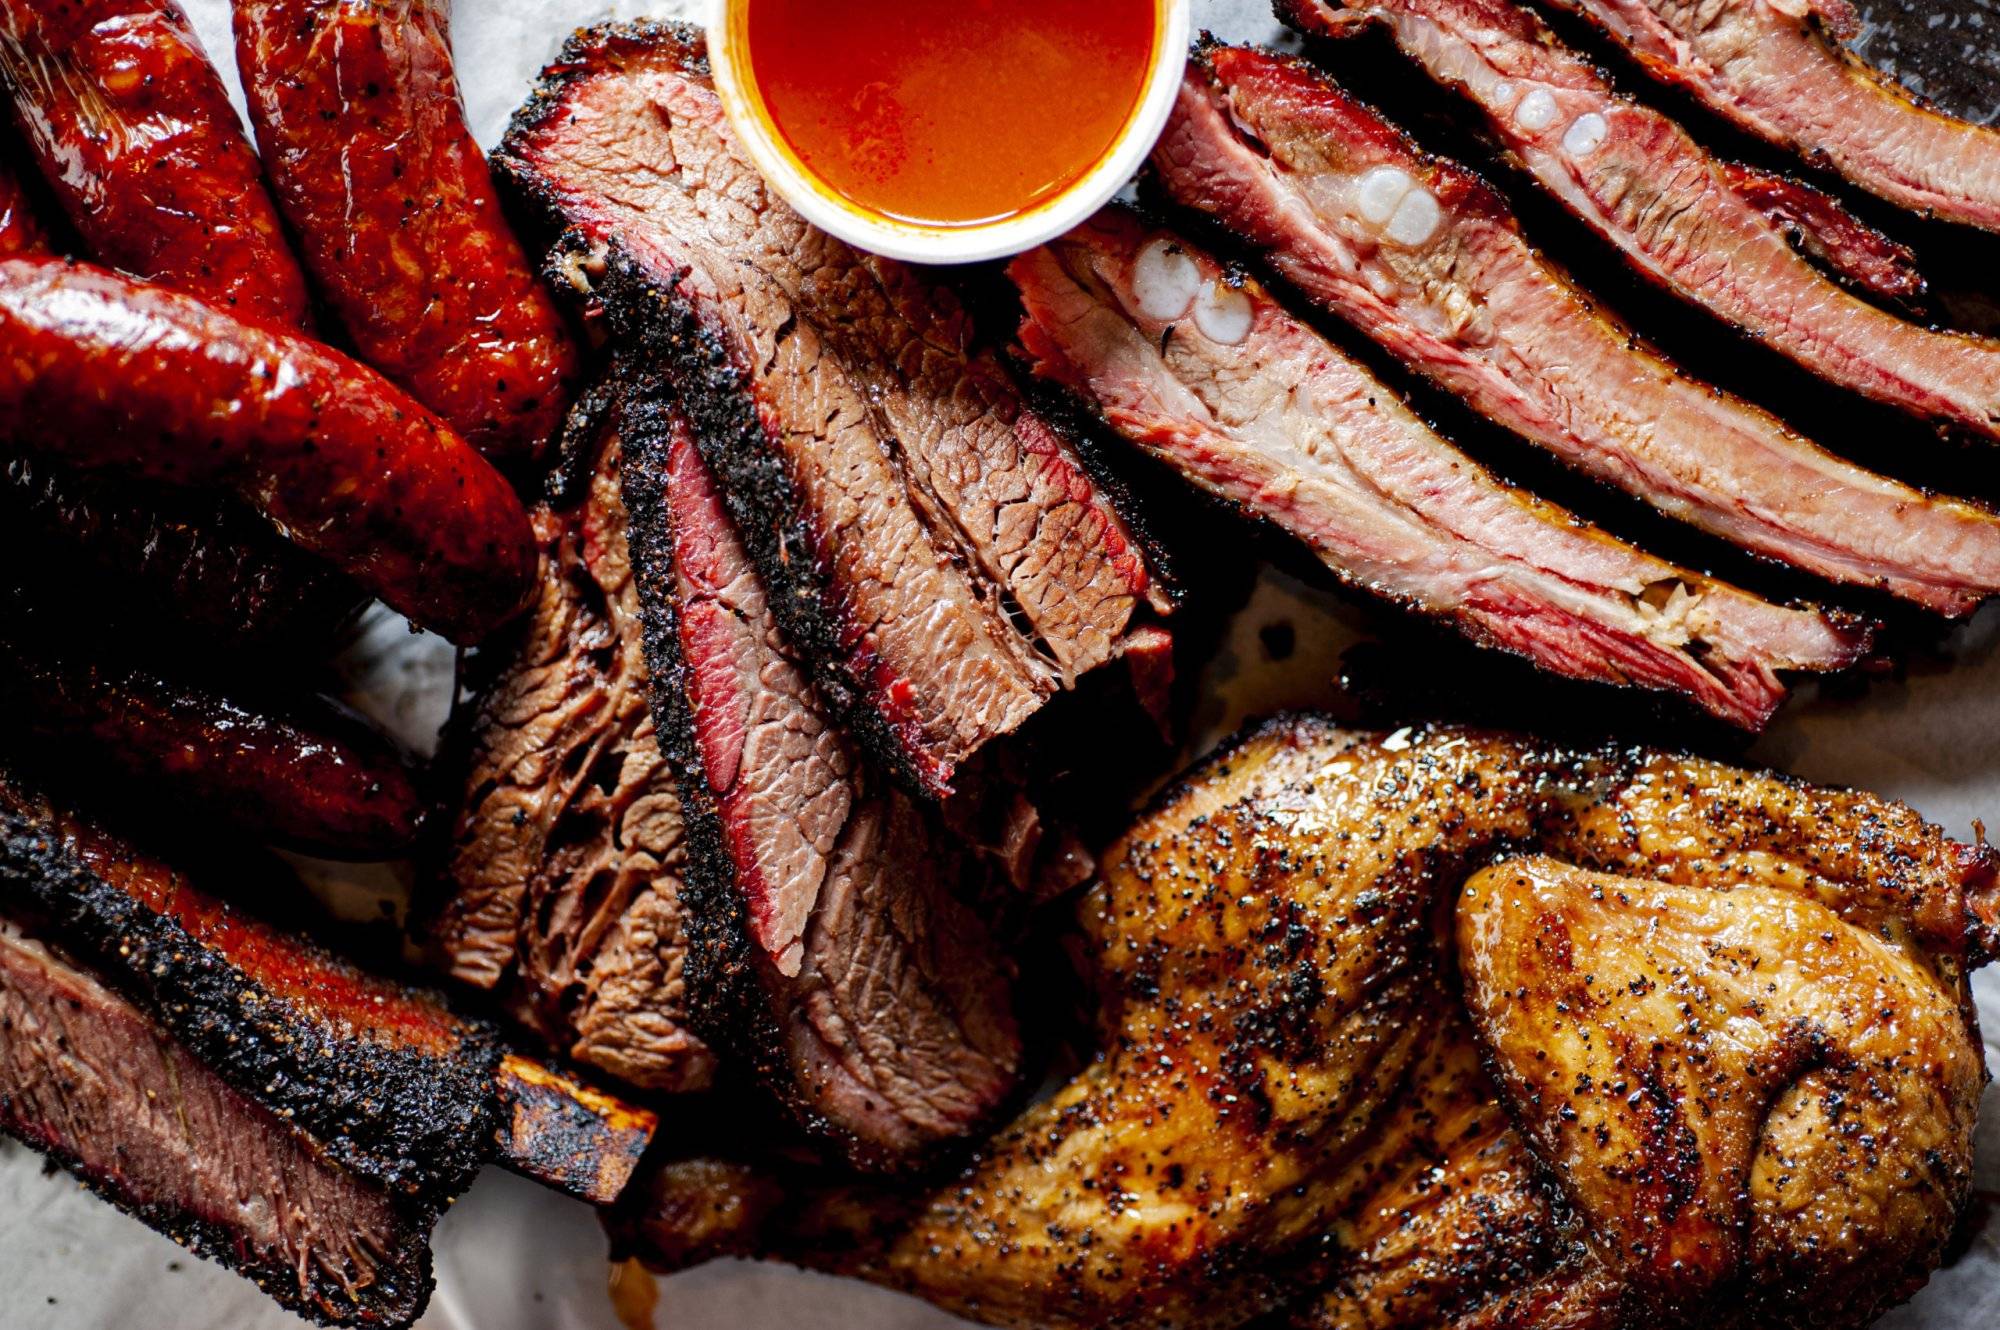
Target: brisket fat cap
(1204,370)
(567,850)
(1425,258)
(108,1092)
(934,547)
(393,1086)
(827,949)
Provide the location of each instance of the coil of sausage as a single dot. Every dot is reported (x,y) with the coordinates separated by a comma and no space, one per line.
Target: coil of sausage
(309,776)
(199,574)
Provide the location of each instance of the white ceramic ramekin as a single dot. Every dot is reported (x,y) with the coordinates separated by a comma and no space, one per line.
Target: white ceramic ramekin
(825,208)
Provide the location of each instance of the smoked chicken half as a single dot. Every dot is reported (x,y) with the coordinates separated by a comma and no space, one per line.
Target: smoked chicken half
(1445,1027)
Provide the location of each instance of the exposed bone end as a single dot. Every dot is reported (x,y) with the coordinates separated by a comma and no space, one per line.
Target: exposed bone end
(1223,313)
(563,1133)
(1586,134)
(1536,111)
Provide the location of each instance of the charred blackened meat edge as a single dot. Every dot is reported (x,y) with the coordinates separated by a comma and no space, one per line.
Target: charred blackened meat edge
(720,950)
(342,1251)
(733,999)
(416,1121)
(655,326)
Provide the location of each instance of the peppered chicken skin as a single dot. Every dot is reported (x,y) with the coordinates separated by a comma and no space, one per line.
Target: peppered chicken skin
(1454,1028)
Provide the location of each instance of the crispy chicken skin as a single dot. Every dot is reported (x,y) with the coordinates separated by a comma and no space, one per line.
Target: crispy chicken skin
(1738,1088)
(1451,1028)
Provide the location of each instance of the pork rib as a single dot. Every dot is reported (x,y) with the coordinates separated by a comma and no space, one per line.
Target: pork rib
(1638,180)
(826,948)
(1773,70)
(1251,405)
(1426,258)
(934,547)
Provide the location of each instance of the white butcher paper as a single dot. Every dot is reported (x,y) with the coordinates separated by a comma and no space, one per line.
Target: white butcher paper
(514,1256)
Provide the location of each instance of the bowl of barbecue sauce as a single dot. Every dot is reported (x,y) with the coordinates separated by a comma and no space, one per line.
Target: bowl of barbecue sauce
(947,131)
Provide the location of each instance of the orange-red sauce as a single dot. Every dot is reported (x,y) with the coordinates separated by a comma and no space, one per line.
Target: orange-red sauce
(948,112)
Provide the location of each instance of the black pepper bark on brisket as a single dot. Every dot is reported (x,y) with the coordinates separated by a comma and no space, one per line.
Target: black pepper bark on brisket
(933,546)
(396,1086)
(827,948)
(243,1091)
(326,1115)
(107,1091)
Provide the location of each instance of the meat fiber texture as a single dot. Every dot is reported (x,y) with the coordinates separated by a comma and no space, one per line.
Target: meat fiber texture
(934,546)
(567,847)
(512,1256)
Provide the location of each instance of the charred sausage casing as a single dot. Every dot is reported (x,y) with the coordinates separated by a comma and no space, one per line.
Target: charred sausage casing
(134,132)
(108,373)
(357,111)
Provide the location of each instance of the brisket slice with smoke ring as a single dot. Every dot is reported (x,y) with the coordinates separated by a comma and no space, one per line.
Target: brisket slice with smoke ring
(1316,181)
(108,1092)
(934,547)
(567,848)
(827,949)
(1776,71)
(396,1088)
(1220,383)
(1670,208)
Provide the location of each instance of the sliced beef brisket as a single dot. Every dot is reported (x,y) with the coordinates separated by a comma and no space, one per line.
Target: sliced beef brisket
(107,1091)
(1670,208)
(1426,258)
(566,855)
(934,546)
(828,949)
(1206,372)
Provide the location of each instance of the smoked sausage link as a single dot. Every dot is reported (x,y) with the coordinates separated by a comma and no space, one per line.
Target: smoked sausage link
(311,777)
(106,372)
(134,132)
(357,111)
(199,574)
